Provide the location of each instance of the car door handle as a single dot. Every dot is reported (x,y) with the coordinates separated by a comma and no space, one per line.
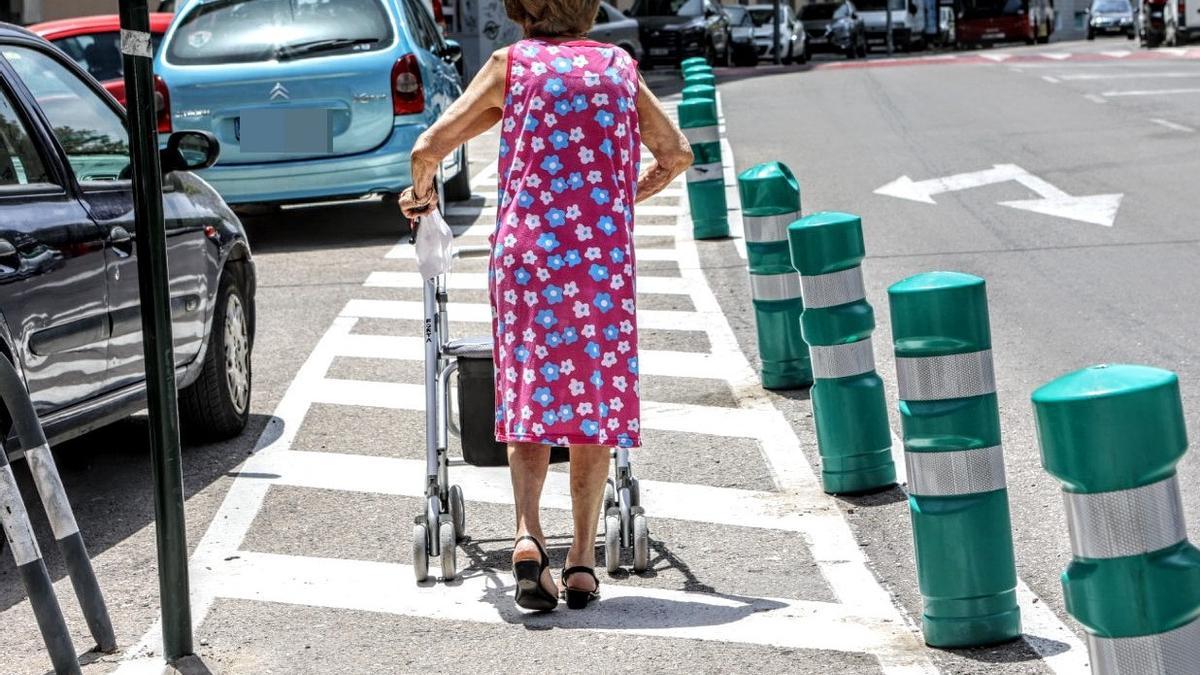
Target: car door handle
(121,239)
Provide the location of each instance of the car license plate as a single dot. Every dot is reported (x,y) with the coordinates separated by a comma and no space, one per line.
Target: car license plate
(659,51)
(993,35)
(306,131)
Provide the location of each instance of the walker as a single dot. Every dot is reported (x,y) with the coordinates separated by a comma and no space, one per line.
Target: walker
(436,531)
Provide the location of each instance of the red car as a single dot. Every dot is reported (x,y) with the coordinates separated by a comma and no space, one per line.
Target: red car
(94,42)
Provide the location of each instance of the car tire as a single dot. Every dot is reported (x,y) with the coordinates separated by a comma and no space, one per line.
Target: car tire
(217,405)
(862,47)
(458,189)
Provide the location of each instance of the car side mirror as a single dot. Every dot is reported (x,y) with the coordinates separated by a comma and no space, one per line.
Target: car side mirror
(189,151)
(452,52)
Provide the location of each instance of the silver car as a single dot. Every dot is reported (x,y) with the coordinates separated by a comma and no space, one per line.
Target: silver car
(614,27)
(792,40)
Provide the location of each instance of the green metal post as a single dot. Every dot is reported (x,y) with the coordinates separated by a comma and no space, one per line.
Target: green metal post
(849,409)
(706,176)
(154,287)
(957,494)
(1112,436)
(770,198)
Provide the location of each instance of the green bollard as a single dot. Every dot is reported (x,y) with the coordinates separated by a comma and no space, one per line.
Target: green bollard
(699,91)
(957,494)
(692,60)
(848,402)
(695,71)
(770,201)
(706,176)
(1113,435)
(700,78)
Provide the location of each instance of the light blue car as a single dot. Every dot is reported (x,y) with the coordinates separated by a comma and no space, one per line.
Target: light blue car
(310,99)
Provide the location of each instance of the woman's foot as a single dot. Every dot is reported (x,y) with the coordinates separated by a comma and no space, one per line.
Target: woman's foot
(536,589)
(580,586)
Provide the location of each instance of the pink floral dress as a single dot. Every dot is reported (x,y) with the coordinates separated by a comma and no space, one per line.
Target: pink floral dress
(561,277)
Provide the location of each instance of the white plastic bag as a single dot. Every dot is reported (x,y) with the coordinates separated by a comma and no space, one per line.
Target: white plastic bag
(434,241)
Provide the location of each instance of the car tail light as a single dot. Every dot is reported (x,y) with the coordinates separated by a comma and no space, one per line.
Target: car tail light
(1181,11)
(408,95)
(162,105)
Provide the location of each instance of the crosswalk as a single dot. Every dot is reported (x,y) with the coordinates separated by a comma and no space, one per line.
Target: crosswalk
(862,617)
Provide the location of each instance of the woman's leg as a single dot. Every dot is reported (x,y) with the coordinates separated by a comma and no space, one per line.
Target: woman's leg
(589,469)
(528,464)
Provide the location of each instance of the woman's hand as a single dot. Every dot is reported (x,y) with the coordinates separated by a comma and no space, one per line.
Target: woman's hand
(414,206)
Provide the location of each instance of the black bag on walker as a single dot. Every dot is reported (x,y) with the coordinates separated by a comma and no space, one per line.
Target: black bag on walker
(477,415)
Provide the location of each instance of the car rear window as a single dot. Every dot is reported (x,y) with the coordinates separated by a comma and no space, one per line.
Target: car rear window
(761,17)
(99,53)
(241,31)
(668,8)
(821,11)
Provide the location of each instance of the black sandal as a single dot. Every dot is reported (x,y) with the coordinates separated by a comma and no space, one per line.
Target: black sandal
(531,594)
(578,598)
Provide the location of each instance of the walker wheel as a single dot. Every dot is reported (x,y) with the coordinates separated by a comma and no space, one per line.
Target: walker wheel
(449,543)
(641,543)
(635,493)
(420,551)
(612,543)
(610,495)
(458,511)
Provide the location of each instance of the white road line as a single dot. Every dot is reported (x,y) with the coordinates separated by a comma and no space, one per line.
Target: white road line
(1083,77)
(1150,92)
(1055,56)
(1095,98)
(733,200)
(1051,80)
(1117,54)
(1046,634)
(1172,125)
(656,319)
(477,281)
(405,251)
(650,361)
(998,58)
(485,229)
(484,597)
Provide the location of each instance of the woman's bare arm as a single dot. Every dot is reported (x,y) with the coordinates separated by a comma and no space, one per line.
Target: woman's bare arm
(672,154)
(473,113)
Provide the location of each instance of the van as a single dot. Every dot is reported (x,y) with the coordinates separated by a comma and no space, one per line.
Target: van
(908,23)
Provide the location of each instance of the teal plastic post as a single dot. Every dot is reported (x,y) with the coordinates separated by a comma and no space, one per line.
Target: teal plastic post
(699,77)
(694,60)
(1112,436)
(770,198)
(957,494)
(702,91)
(848,402)
(706,176)
(697,69)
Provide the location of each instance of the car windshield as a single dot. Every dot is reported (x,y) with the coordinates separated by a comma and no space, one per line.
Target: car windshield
(99,53)
(879,5)
(1111,7)
(737,15)
(239,31)
(762,15)
(668,8)
(818,12)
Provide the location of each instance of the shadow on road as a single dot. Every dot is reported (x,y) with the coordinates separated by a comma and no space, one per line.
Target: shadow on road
(306,227)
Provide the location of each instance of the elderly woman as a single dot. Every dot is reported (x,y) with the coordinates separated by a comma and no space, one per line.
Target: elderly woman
(573,115)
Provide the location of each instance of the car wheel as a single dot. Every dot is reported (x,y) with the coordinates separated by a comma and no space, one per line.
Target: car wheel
(459,188)
(217,405)
(862,47)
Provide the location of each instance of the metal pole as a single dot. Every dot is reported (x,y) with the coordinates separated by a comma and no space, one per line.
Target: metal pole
(889,27)
(153,285)
(775,41)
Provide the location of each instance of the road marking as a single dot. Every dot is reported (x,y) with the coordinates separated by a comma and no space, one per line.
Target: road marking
(998,58)
(733,200)
(1128,76)
(1050,79)
(1055,56)
(1095,98)
(406,251)
(413,310)
(484,597)
(477,281)
(1172,125)
(485,229)
(1117,54)
(1150,92)
(1098,209)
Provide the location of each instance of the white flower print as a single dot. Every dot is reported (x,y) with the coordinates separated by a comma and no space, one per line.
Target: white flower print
(498,275)
(628,268)
(623,346)
(599,99)
(518,108)
(521,144)
(633,424)
(588,331)
(552,50)
(534,180)
(536,103)
(543,274)
(577,388)
(518,70)
(579,61)
(618,282)
(529,335)
(614,423)
(510,240)
(627,304)
(591,79)
(526,412)
(510,396)
(509,260)
(581,309)
(583,232)
(510,296)
(573,212)
(546,196)
(537,68)
(586,156)
(584,408)
(529,375)
(537,144)
(571,289)
(595,177)
(538,429)
(529,257)
(609,360)
(531,299)
(510,338)
(510,317)
(624,156)
(626,326)
(576,134)
(593,253)
(510,374)
(566,367)
(541,351)
(533,221)
(517,164)
(615,403)
(550,119)
(620,130)
(509,124)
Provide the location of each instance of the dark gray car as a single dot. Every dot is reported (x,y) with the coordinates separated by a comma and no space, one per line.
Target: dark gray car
(614,27)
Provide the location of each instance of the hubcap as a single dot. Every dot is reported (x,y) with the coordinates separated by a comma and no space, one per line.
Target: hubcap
(237,354)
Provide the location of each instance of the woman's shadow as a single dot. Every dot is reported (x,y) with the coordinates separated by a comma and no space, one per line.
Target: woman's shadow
(627,608)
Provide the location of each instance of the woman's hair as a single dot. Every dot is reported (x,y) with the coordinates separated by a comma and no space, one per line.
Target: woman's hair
(549,18)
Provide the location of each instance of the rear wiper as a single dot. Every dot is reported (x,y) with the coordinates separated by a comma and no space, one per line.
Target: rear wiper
(284,52)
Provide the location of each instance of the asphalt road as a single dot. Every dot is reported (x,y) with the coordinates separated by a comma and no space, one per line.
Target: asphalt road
(300,529)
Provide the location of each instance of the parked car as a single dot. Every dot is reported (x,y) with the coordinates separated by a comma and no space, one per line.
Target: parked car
(673,30)
(69,300)
(95,44)
(325,105)
(741,36)
(615,28)
(834,27)
(793,42)
(908,23)
(1110,17)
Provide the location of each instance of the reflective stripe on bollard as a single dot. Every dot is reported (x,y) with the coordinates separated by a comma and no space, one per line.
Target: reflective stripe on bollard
(770,197)
(1113,435)
(849,408)
(958,496)
(706,176)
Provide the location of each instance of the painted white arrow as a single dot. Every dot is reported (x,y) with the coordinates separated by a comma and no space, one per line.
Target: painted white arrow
(1095,209)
